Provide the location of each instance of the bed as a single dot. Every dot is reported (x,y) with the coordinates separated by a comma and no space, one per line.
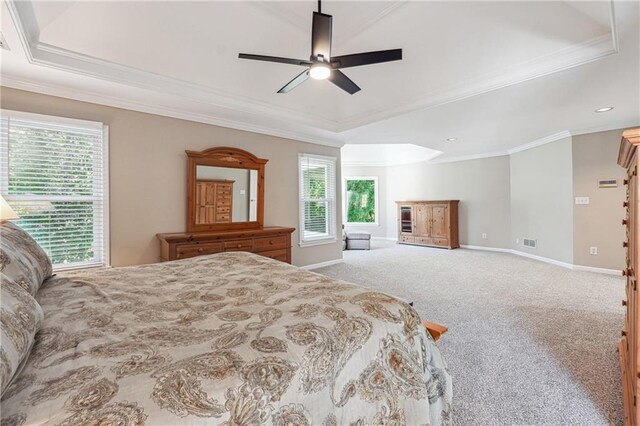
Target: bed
(231,339)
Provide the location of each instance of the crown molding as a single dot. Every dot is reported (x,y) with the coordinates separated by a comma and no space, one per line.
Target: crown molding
(539,142)
(151,108)
(572,56)
(50,56)
(58,58)
(469,157)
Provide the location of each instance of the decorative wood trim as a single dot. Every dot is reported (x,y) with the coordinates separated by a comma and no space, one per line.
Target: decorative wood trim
(628,146)
(223,157)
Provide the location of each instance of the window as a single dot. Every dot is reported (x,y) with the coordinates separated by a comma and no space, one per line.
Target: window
(361,200)
(317,199)
(53,173)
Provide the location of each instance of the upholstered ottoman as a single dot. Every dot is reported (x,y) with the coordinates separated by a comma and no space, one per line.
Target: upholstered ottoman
(358,240)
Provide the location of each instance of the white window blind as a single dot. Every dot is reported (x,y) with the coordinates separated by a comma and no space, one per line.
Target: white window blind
(317,175)
(53,173)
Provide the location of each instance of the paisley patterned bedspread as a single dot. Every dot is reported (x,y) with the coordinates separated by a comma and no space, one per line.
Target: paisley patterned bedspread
(229,339)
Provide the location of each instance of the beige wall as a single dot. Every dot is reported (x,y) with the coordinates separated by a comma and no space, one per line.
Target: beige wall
(482,186)
(542,200)
(379,230)
(598,224)
(148,173)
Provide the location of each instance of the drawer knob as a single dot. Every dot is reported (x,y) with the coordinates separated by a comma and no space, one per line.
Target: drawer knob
(270,242)
(239,245)
(624,302)
(625,244)
(624,222)
(626,181)
(624,333)
(625,204)
(200,250)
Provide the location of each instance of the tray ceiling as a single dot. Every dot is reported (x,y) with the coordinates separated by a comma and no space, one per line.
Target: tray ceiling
(183,55)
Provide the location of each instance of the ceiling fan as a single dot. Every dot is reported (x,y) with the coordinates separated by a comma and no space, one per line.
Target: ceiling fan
(321,65)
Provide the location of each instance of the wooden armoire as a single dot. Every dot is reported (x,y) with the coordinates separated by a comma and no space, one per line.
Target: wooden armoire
(629,344)
(214,200)
(428,223)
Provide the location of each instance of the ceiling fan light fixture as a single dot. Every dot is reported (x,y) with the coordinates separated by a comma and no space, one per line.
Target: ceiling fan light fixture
(320,71)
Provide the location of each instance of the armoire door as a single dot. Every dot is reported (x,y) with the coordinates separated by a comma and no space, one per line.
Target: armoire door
(205,203)
(439,221)
(422,220)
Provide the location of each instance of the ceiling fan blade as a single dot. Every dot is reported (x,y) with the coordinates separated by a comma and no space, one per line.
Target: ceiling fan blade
(321,36)
(298,80)
(367,58)
(343,82)
(274,59)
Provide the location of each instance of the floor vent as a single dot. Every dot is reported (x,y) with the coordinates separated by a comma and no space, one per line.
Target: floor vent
(530,243)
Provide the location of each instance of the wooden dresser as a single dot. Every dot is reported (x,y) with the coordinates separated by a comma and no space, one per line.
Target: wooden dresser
(428,223)
(628,346)
(269,241)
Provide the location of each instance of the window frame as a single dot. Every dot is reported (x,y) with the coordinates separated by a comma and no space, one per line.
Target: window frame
(70,122)
(332,219)
(345,201)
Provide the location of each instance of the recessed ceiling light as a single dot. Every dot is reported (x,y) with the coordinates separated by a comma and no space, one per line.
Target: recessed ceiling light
(452,139)
(605,109)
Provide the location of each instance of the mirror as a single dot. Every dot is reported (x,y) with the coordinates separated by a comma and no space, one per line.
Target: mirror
(225,190)
(225,195)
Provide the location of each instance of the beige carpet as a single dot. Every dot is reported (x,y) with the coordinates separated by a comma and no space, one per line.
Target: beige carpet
(528,342)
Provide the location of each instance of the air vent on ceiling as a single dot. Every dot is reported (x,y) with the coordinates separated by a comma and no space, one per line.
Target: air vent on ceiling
(529,243)
(608,183)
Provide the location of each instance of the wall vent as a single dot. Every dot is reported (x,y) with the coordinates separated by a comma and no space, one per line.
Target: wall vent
(529,243)
(608,183)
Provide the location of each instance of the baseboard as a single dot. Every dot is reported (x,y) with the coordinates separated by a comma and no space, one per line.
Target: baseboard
(546,260)
(597,270)
(384,238)
(322,264)
(501,250)
(542,259)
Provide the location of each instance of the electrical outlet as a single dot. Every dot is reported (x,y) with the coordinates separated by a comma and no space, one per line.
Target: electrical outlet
(593,251)
(484,236)
(582,200)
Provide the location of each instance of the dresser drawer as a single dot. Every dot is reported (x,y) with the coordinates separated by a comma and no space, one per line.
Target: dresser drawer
(443,242)
(238,245)
(424,240)
(190,250)
(270,243)
(280,255)
(405,239)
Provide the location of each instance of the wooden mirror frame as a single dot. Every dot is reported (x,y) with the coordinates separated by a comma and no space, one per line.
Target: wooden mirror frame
(223,157)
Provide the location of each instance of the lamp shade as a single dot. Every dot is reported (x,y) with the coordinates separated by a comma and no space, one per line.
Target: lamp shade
(6,212)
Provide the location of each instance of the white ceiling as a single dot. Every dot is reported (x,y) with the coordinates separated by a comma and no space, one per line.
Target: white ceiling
(385,154)
(495,75)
